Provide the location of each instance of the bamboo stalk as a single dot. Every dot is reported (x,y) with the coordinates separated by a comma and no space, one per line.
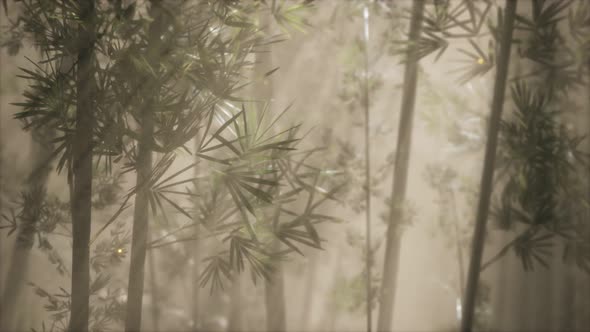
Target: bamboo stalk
(140,228)
(310,283)
(460,262)
(488,168)
(367,113)
(19,263)
(275,299)
(196,254)
(400,176)
(274,288)
(82,169)
(236,323)
(144,170)
(154,290)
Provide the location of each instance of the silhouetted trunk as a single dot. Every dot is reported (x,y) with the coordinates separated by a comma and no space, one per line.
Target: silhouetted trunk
(196,273)
(235,323)
(460,262)
(309,291)
(1,283)
(583,282)
(366,108)
(155,312)
(274,293)
(275,298)
(1,289)
(400,175)
(81,199)
(19,263)
(566,307)
(195,250)
(331,319)
(486,186)
(140,225)
(144,170)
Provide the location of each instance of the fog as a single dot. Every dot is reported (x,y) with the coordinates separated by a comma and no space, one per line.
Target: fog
(232,237)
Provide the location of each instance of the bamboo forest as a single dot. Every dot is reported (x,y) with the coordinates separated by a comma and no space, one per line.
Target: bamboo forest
(294,165)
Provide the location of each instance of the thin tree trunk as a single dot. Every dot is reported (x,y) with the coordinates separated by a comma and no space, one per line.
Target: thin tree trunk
(565,320)
(1,281)
(82,169)
(144,170)
(2,324)
(275,299)
(140,227)
(274,292)
(461,264)
(583,284)
(196,273)
(486,187)
(367,112)
(275,289)
(19,264)
(331,318)
(400,176)
(309,291)
(196,255)
(236,323)
(154,290)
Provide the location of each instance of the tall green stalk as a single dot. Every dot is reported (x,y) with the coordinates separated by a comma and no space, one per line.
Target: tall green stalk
(195,248)
(274,288)
(275,300)
(19,263)
(82,168)
(155,312)
(488,167)
(312,266)
(140,227)
(144,170)
(400,175)
(235,322)
(367,112)
(460,262)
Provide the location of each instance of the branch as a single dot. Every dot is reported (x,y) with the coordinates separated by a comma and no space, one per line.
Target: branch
(498,255)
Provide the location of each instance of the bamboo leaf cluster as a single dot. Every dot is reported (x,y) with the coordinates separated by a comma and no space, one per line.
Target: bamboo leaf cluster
(159,75)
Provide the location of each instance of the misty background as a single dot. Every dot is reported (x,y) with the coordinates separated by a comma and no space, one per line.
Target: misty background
(320,74)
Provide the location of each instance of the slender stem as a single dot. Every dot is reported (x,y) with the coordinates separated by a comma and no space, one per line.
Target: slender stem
(154,288)
(139,238)
(196,248)
(275,303)
(275,294)
(309,291)
(18,267)
(81,204)
(488,168)
(333,311)
(400,174)
(235,321)
(140,228)
(497,256)
(458,245)
(366,107)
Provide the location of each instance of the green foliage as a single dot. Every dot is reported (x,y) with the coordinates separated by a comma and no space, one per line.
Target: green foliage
(187,71)
(445,180)
(106,305)
(447,20)
(540,161)
(349,292)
